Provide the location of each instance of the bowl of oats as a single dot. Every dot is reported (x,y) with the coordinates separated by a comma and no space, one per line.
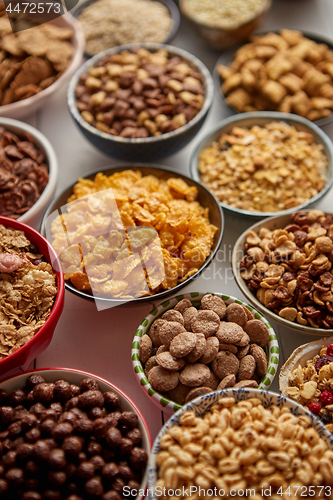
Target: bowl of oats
(32,295)
(283,265)
(37,61)
(133,232)
(282,443)
(143,101)
(264,163)
(307,377)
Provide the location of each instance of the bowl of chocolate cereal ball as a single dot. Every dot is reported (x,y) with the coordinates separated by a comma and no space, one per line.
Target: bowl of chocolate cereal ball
(37,60)
(239,440)
(141,101)
(264,163)
(32,295)
(28,172)
(287,71)
(70,434)
(198,343)
(283,266)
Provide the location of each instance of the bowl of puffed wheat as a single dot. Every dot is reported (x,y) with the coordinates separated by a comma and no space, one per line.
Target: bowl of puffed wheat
(283,266)
(32,295)
(242,440)
(264,163)
(37,61)
(196,343)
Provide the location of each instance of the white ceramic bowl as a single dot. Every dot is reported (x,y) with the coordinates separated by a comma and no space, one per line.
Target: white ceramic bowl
(23,108)
(261,118)
(202,404)
(237,255)
(271,349)
(34,215)
(74,377)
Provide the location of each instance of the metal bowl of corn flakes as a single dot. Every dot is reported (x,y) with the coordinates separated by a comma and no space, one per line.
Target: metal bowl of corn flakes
(133,232)
(288,71)
(283,267)
(264,163)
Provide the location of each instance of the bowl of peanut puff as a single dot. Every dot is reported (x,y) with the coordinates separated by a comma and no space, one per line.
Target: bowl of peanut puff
(141,101)
(283,265)
(264,163)
(285,71)
(197,343)
(242,442)
(36,61)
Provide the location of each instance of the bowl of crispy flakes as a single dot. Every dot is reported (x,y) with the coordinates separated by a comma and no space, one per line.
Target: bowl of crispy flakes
(287,447)
(32,295)
(36,62)
(133,232)
(287,71)
(264,163)
(283,265)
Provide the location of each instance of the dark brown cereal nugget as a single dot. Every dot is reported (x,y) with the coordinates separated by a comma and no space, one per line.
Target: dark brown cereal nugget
(194,375)
(169,330)
(248,313)
(179,393)
(188,315)
(229,332)
(162,380)
(145,348)
(243,351)
(150,363)
(182,344)
(228,381)
(236,314)
(213,381)
(260,358)
(169,362)
(257,331)
(198,350)
(225,364)
(215,304)
(210,351)
(172,315)
(244,341)
(247,367)
(251,384)
(228,347)
(196,392)
(154,332)
(183,305)
(206,322)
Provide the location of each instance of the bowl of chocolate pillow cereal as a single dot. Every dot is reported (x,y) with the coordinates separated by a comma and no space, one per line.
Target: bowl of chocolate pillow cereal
(141,101)
(70,435)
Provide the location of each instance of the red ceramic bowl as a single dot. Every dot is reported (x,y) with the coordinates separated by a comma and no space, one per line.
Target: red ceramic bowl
(74,377)
(21,359)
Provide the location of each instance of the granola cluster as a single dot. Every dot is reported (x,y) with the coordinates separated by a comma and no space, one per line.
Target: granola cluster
(312,385)
(27,290)
(264,169)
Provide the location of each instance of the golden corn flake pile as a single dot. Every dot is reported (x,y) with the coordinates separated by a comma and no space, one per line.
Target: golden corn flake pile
(284,72)
(32,59)
(27,290)
(129,235)
(264,169)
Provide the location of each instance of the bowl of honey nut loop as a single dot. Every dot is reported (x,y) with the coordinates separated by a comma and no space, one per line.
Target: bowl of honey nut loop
(32,295)
(283,265)
(222,24)
(107,23)
(133,233)
(28,172)
(287,71)
(77,436)
(141,101)
(307,377)
(264,163)
(239,440)
(197,343)
(37,61)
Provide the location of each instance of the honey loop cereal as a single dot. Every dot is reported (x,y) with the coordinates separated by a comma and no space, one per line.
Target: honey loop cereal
(264,169)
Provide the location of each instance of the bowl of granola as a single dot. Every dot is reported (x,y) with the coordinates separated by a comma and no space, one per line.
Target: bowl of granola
(197,343)
(37,61)
(133,232)
(307,378)
(283,265)
(28,172)
(264,163)
(282,443)
(32,295)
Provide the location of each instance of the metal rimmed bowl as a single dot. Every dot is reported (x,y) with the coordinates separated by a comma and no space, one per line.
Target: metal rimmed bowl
(228,56)
(161,400)
(205,198)
(75,377)
(262,118)
(202,405)
(150,148)
(169,4)
(272,223)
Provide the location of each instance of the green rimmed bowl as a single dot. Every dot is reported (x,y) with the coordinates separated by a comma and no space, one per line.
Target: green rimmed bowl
(165,404)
